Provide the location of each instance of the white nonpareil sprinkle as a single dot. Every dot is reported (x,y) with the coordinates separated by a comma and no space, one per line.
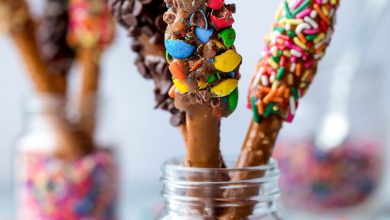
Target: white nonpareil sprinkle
(296,53)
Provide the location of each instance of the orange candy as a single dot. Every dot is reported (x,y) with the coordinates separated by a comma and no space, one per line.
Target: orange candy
(178,69)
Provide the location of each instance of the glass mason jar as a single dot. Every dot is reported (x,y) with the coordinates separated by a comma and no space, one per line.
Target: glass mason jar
(49,183)
(342,181)
(199,193)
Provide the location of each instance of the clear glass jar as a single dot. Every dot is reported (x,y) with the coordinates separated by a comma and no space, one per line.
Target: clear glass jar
(199,193)
(52,184)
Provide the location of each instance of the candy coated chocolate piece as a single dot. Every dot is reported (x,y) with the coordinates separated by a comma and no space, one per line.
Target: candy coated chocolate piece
(178,69)
(222,22)
(228,36)
(203,34)
(233,100)
(202,85)
(212,73)
(179,49)
(227,62)
(180,86)
(225,88)
(215,4)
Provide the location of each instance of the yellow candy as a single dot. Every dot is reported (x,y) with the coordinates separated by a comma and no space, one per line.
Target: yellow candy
(225,87)
(182,87)
(202,84)
(219,44)
(227,62)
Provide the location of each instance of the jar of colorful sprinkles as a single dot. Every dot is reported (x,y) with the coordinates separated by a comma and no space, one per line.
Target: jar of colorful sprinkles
(48,186)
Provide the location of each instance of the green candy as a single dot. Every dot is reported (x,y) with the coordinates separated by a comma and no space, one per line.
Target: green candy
(228,36)
(211,78)
(233,100)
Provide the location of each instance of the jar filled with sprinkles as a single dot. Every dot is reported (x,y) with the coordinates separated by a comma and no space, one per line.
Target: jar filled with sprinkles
(51,186)
(332,158)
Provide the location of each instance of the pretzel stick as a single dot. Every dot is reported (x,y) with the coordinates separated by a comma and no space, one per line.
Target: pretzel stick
(301,33)
(204,66)
(89,60)
(91,30)
(73,145)
(51,34)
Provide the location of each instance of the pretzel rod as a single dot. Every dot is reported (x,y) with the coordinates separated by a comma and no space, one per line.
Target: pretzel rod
(204,66)
(205,80)
(300,35)
(144,22)
(72,145)
(91,30)
(89,60)
(183,131)
(51,36)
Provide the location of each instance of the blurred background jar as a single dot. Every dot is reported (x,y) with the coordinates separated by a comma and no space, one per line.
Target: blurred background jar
(343,178)
(333,158)
(59,171)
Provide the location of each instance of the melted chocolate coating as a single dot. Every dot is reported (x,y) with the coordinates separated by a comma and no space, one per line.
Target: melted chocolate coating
(143,19)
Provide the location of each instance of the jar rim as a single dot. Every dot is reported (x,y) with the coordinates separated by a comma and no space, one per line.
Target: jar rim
(178,179)
(176,164)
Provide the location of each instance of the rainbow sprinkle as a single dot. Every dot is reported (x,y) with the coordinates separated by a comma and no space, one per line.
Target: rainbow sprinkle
(51,189)
(301,33)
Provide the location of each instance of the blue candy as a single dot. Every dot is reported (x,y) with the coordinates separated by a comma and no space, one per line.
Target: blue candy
(203,34)
(179,49)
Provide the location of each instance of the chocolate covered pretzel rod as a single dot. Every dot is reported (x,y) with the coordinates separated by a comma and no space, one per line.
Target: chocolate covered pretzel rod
(144,23)
(91,30)
(204,66)
(51,36)
(300,35)
(17,22)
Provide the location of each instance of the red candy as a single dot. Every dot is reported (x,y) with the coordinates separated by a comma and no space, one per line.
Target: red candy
(222,22)
(215,4)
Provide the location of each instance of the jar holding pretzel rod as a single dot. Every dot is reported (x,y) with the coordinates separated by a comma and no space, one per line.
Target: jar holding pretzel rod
(179,205)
